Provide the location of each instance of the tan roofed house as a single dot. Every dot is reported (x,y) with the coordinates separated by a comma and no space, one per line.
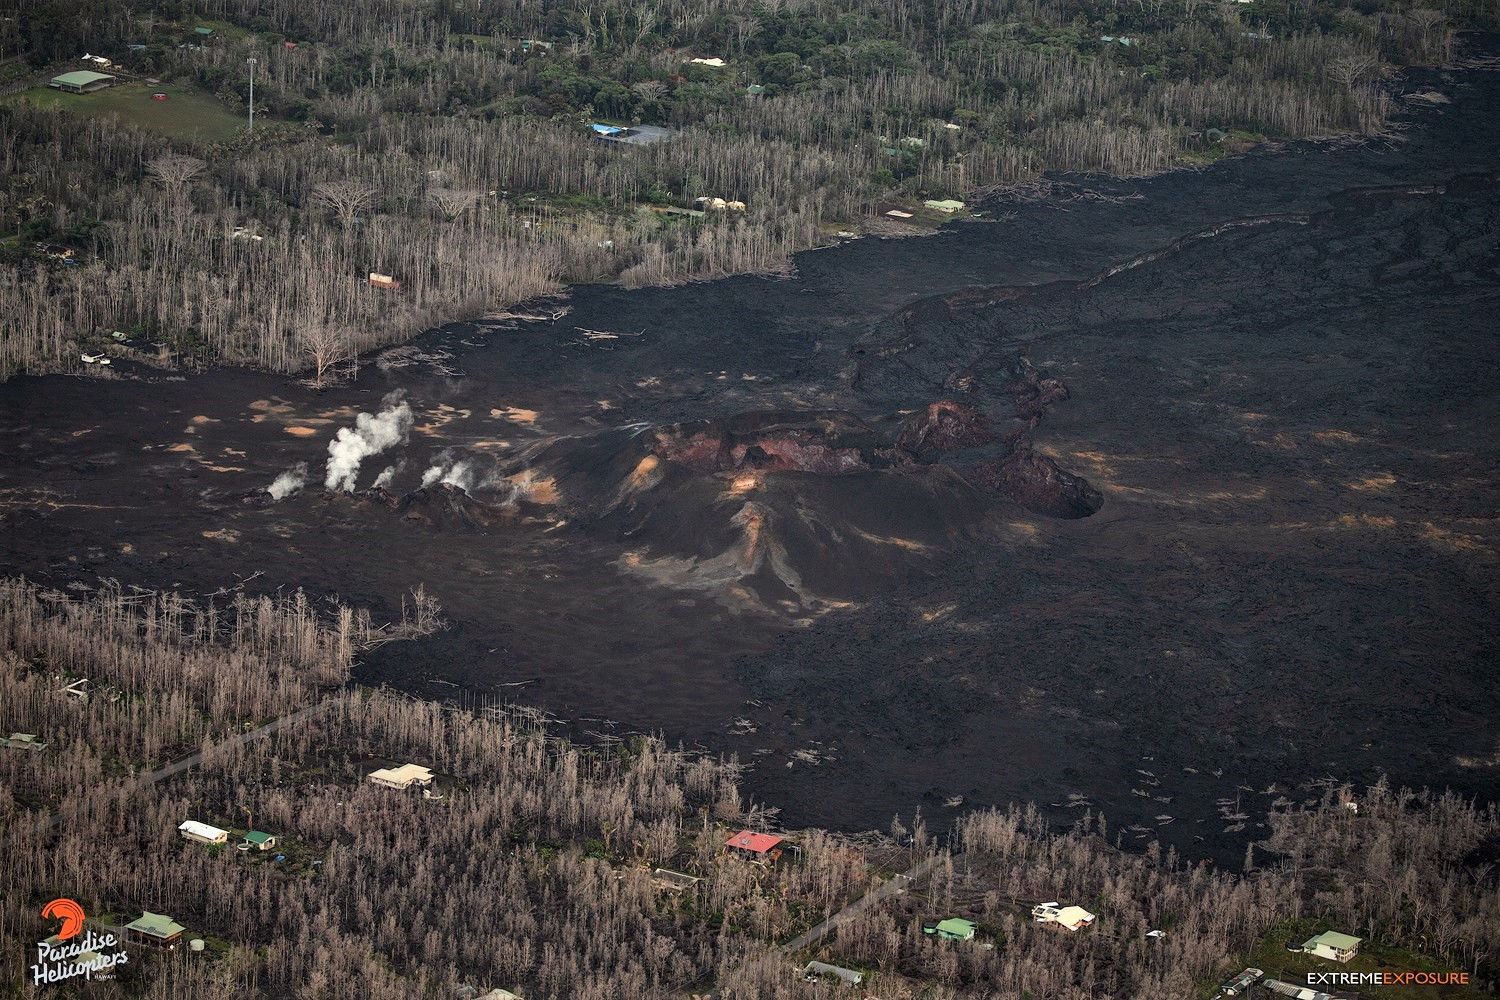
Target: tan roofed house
(1074,917)
(404,776)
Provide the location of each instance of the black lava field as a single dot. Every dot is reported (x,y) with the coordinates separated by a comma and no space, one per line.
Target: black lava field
(1163,498)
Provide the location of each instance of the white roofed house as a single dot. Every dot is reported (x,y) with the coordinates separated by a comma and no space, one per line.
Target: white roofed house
(405,776)
(1073,918)
(202,832)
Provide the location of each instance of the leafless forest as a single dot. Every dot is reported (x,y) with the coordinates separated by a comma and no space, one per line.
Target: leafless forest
(1412,870)
(531,866)
(422,141)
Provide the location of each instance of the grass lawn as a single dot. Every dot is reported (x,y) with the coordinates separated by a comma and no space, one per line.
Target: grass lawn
(1291,967)
(185,114)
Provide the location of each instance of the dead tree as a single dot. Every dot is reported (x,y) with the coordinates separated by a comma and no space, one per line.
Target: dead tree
(174,172)
(346,199)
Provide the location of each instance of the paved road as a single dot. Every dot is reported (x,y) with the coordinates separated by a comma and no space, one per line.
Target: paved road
(192,760)
(881,892)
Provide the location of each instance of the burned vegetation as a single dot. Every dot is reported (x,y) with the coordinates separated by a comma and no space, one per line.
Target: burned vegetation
(414,164)
(371,844)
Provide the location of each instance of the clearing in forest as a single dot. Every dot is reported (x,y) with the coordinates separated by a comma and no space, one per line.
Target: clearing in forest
(185,114)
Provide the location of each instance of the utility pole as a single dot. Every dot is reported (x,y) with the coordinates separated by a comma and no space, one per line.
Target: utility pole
(251,60)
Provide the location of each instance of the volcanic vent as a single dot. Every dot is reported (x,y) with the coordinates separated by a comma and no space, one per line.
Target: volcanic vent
(786,511)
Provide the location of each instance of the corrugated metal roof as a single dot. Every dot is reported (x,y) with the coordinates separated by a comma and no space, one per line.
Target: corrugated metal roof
(203,830)
(1073,916)
(755,843)
(1335,939)
(406,774)
(80,78)
(957,927)
(157,925)
(824,969)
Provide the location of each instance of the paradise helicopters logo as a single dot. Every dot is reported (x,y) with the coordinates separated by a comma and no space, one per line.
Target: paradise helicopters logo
(75,951)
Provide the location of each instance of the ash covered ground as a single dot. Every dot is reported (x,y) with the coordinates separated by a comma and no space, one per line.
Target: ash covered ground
(1157,497)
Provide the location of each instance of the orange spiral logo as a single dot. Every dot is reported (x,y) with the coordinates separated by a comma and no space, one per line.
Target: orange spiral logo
(69,912)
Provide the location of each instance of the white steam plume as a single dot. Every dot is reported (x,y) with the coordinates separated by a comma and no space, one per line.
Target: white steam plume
(370,435)
(460,475)
(288,482)
(445,470)
(388,474)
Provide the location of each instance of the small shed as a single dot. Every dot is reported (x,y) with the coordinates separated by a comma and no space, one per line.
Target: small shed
(1240,983)
(764,847)
(378,280)
(815,971)
(1333,945)
(157,928)
(405,776)
(1300,992)
(81,81)
(204,32)
(202,833)
(260,841)
(665,878)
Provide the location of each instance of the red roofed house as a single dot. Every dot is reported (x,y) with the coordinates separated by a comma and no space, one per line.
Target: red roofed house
(764,846)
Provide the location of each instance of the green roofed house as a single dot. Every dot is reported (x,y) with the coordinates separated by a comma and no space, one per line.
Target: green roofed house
(156,927)
(81,81)
(205,32)
(260,841)
(946,206)
(1333,945)
(954,929)
(23,741)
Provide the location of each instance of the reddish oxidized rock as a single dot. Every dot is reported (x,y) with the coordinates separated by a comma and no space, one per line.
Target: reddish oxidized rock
(945,426)
(1032,392)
